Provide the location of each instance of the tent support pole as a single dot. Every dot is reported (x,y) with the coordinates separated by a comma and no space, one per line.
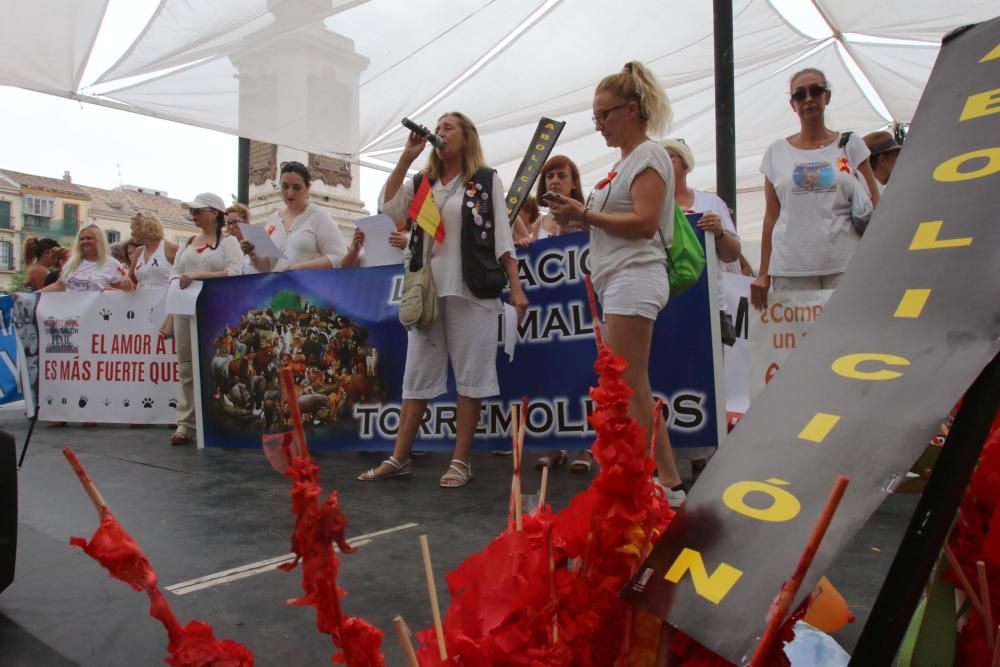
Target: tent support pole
(243,171)
(725,105)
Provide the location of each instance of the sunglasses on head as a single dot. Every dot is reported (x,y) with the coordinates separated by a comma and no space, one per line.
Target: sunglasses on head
(815,90)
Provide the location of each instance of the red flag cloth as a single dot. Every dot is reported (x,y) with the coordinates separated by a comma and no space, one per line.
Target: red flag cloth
(975,537)
(507,600)
(317,528)
(193,646)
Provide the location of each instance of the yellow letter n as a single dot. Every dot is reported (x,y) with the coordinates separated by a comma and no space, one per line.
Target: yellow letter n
(713,588)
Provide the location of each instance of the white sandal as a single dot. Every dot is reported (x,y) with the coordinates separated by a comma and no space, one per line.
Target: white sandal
(460,476)
(398,470)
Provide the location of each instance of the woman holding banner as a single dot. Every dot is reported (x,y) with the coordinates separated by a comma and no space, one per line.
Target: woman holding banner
(465,331)
(304,232)
(203,257)
(630,217)
(808,239)
(90,268)
(155,255)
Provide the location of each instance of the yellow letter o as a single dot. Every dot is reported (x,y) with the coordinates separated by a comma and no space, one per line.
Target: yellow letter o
(784,508)
(948,172)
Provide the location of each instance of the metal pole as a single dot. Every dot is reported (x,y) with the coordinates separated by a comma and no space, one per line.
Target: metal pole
(243,171)
(930,523)
(725,105)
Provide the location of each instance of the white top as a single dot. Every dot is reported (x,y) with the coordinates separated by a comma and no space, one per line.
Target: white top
(313,234)
(227,256)
(609,252)
(93,277)
(152,272)
(446,258)
(813,235)
(707,201)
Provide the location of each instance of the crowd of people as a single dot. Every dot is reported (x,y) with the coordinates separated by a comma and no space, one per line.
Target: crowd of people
(807,241)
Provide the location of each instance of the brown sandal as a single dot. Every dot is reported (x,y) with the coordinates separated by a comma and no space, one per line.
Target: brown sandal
(583,462)
(177,438)
(551,460)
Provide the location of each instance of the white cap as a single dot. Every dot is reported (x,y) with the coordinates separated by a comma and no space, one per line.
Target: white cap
(206,200)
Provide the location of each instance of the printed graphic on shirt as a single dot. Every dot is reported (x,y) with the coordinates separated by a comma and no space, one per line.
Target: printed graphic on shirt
(813,177)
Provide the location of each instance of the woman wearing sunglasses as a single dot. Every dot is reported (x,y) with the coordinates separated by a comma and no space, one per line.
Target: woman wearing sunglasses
(203,257)
(808,238)
(629,212)
(305,233)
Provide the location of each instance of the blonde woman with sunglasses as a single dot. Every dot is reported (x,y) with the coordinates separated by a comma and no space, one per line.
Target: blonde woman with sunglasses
(808,238)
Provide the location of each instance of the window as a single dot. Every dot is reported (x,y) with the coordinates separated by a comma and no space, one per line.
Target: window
(71,213)
(5,222)
(41,206)
(36,222)
(113,236)
(6,256)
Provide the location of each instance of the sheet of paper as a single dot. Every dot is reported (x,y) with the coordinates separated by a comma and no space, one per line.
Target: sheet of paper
(182,301)
(509,330)
(263,246)
(378,251)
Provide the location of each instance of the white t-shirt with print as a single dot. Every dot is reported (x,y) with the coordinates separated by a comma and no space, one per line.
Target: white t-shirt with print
(446,258)
(813,235)
(609,252)
(90,276)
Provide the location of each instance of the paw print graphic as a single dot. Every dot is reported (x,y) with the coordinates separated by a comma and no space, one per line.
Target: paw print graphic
(107,402)
(172,402)
(130,315)
(126,402)
(105,313)
(64,401)
(83,401)
(49,399)
(147,402)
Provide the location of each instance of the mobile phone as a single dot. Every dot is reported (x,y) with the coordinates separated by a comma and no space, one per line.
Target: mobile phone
(551,196)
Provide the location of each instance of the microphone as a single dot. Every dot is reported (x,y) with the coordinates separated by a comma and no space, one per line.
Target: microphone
(422,131)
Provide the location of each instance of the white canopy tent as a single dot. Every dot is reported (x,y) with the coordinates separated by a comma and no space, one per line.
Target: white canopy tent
(336,76)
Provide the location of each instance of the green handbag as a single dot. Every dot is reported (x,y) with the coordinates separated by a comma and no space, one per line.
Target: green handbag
(685,256)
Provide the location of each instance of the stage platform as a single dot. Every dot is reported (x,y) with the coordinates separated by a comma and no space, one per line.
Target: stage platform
(197,514)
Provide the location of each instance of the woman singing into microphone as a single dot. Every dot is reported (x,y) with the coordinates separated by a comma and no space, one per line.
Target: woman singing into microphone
(470,199)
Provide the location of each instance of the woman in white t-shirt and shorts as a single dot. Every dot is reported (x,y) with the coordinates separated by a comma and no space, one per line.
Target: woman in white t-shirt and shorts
(627,213)
(807,239)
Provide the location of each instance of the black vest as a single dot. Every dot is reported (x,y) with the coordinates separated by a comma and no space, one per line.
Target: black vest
(481,272)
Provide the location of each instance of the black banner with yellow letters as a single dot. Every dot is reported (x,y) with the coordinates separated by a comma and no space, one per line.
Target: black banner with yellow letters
(542,143)
(913,322)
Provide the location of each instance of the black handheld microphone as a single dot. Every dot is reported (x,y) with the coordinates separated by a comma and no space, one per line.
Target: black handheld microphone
(435,140)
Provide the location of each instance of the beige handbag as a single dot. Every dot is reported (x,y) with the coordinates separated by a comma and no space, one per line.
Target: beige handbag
(167,328)
(419,306)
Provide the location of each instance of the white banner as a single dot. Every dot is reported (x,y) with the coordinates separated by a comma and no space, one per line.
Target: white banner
(736,362)
(102,360)
(776,330)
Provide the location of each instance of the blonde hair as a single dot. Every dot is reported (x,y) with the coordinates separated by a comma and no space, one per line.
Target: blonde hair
(636,83)
(149,225)
(77,257)
(472,150)
(240,210)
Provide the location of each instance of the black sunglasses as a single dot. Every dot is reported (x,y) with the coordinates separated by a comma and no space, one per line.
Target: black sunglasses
(195,212)
(815,90)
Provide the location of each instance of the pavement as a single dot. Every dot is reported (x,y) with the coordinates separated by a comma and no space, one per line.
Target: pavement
(214,522)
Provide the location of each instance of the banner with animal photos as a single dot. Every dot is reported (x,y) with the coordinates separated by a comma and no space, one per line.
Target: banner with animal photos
(102,360)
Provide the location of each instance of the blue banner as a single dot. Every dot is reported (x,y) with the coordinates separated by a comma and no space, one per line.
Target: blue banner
(340,333)
(10,390)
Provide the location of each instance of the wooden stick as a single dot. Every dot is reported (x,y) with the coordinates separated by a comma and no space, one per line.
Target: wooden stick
(403,635)
(657,416)
(984,594)
(996,649)
(627,644)
(553,597)
(544,487)
(791,587)
(966,586)
(432,591)
(88,486)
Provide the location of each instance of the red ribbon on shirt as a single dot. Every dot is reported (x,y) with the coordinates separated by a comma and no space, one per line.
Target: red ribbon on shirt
(604,181)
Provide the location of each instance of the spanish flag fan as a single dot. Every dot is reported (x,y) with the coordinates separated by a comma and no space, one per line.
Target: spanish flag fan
(424,211)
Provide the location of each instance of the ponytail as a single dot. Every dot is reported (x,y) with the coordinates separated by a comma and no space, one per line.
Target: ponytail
(636,82)
(35,247)
(220,222)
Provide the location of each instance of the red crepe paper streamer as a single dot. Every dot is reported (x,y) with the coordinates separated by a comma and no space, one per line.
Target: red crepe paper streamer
(317,528)
(192,646)
(506,598)
(975,537)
